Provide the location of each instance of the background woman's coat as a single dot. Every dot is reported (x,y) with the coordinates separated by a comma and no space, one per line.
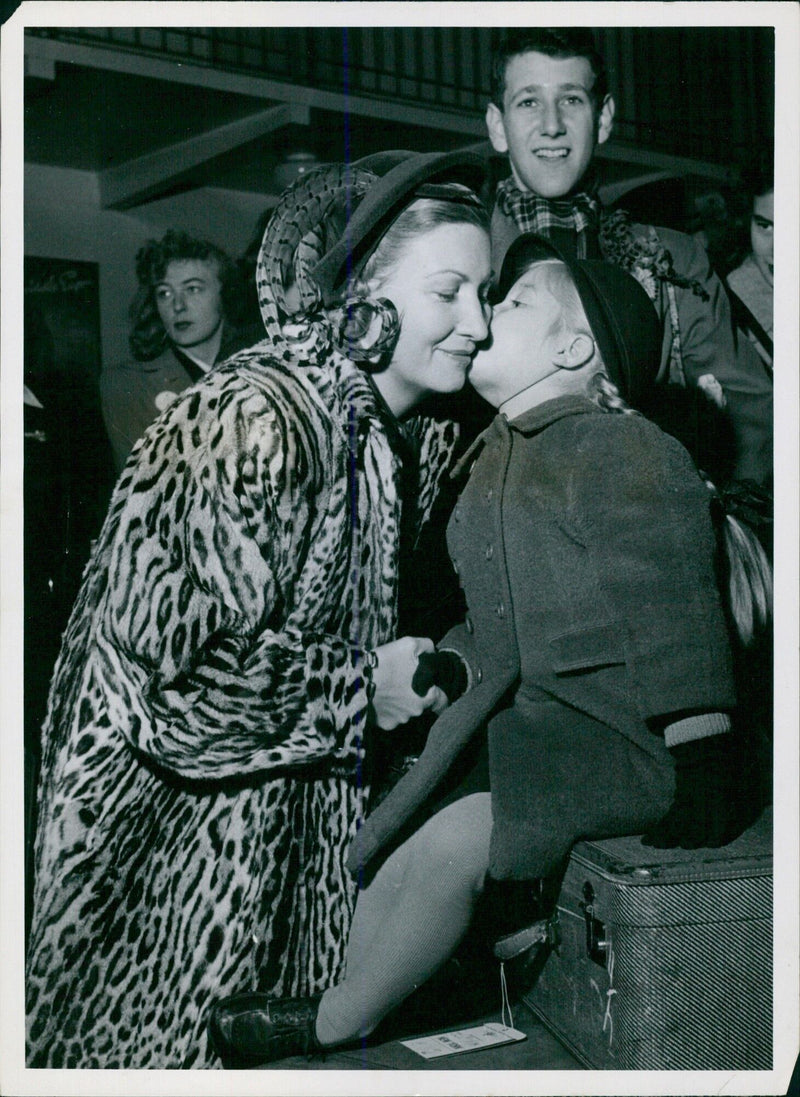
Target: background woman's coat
(134,393)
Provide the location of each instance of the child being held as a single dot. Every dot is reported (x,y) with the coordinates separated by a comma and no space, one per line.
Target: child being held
(598,643)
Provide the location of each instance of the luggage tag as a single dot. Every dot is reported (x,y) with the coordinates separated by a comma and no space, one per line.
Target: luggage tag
(465,1039)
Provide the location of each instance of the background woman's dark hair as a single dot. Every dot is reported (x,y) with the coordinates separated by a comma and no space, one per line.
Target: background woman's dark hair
(246,264)
(147,337)
(553,42)
(758,174)
(755,177)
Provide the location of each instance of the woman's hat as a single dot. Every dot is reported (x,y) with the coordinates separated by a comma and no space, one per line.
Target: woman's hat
(623,319)
(328,221)
(401,176)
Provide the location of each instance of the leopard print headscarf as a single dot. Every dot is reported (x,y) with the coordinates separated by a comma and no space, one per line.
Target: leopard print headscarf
(309,217)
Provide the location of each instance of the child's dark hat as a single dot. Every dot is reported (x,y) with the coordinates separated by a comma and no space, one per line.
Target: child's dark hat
(622,317)
(401,176)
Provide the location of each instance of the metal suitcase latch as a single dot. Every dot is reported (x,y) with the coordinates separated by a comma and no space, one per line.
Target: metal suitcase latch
(596,944)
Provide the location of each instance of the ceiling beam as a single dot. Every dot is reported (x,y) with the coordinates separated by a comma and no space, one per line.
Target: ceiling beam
(44,68)
(126,184)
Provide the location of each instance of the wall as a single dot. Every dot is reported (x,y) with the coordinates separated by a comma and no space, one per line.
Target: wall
(63,220)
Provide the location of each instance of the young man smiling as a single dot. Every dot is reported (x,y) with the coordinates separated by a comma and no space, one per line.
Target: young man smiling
(550,112)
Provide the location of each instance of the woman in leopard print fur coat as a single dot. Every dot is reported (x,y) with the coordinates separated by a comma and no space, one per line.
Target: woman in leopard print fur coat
(207,746)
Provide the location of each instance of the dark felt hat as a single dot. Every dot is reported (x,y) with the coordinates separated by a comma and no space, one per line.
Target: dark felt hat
(622,317)
(401,176)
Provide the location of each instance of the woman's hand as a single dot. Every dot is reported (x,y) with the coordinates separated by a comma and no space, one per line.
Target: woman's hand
(395,701)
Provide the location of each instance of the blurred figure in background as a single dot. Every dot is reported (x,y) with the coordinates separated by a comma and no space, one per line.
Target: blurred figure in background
(750,284)
(714,222)
(186,316)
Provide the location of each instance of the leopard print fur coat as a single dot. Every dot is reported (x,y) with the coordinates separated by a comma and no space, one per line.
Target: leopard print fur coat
(205,752)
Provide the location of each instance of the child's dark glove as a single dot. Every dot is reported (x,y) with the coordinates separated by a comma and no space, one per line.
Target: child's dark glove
(444,669)
(712,804)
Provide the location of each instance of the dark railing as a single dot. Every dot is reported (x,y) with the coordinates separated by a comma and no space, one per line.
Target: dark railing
(438,66)
(705,92)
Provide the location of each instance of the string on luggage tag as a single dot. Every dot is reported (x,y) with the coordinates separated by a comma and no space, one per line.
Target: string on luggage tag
(504,999)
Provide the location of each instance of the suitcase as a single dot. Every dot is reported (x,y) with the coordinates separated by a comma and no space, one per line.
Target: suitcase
(663,958)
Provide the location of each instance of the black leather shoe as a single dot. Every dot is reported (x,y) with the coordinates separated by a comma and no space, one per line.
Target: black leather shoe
(248,1030)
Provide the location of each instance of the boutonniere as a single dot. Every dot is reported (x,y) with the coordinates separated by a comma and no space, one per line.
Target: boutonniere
(162,400)
(642,255)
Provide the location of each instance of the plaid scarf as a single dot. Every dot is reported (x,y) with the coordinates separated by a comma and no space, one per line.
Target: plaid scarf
(580,213)
(640,253)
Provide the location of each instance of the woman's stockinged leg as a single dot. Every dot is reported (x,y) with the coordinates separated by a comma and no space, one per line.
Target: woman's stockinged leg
(410,918)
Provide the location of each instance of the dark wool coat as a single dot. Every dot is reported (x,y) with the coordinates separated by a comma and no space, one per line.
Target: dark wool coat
(584,544)
(205,755)
(708,344)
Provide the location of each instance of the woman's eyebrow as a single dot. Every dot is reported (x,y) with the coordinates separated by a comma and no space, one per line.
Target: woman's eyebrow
(446,272)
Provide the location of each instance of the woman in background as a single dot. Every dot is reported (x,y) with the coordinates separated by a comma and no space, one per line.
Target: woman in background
(750,285)
(184,318)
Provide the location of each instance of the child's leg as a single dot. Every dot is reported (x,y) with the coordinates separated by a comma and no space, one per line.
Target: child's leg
(410,918)
(583,779)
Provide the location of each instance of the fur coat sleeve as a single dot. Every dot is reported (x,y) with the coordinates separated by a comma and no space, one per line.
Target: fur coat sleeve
(227,617)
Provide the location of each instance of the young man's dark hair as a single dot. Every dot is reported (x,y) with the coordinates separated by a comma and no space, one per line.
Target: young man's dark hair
(551,41)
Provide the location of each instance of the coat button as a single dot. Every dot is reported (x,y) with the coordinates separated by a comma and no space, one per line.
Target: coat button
(457,515)
(479,675)
(489,495)
(469,624)
(500,609)
(489,552)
